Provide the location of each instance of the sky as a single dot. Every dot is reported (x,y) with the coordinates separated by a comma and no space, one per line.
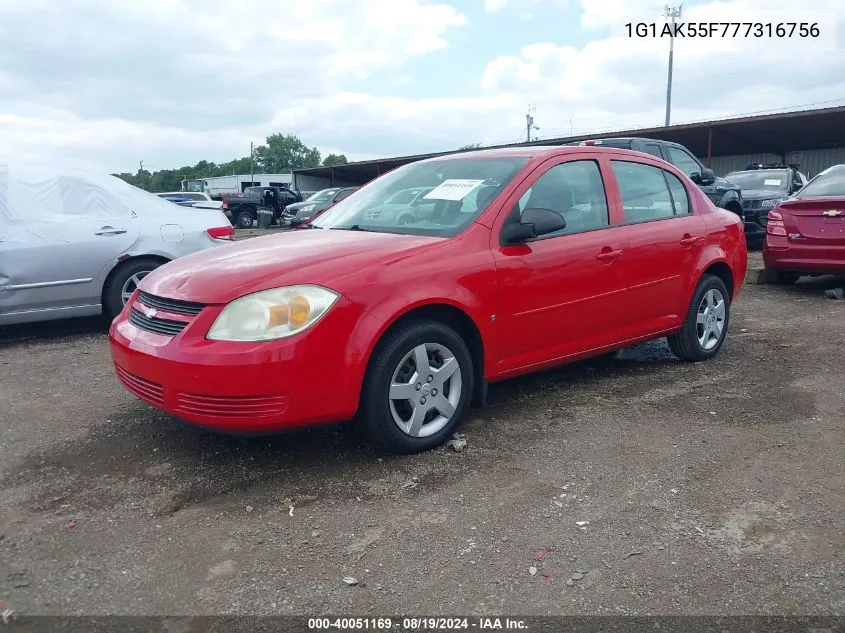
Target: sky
(102,85)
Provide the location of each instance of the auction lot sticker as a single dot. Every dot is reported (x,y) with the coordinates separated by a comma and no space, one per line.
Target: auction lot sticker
(453,189)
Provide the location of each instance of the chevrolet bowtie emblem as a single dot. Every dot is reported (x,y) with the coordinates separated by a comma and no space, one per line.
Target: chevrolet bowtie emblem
(832,213)
(150,312)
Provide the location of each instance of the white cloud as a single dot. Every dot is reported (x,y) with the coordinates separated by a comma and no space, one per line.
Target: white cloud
(173,82)
(524,8)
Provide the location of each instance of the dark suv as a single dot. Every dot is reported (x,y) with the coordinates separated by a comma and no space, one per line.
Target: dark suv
(722,192)
(763,187)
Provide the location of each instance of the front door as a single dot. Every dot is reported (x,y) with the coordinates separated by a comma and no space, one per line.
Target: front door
(560,294)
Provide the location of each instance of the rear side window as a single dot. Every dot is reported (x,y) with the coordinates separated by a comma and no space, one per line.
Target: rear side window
(645,194)
(574,190)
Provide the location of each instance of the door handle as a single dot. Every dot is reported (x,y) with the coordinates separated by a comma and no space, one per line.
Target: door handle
(609,255)
(108,230)
(689,240)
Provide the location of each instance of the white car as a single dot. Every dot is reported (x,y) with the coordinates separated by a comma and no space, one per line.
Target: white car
(196,199)
(76,244)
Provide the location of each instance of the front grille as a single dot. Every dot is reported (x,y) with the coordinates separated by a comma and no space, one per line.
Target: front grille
(159,326)
(232,406)
(146,390)
(188,308)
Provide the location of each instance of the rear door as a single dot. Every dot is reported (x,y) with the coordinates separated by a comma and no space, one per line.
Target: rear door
(77,232)
(665,238)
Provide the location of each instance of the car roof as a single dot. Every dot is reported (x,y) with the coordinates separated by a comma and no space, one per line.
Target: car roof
(539,151)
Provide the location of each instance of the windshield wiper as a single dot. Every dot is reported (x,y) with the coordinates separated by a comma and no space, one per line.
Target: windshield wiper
(310,226)
(354,227)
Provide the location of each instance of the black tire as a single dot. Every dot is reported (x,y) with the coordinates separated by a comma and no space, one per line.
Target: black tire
(113,291)
(685,342)
(244,220)
(785,278)
(374,415)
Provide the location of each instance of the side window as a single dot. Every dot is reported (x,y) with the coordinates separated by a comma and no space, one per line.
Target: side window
(575,190)
(653,149)
(340,196)
(683,161)
(645,195)
(680,195)
(796,181)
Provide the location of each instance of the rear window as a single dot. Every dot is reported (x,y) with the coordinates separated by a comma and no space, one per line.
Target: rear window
(827,184)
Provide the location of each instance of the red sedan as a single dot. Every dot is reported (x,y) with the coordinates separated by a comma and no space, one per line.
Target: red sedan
(516,260)
(806,234)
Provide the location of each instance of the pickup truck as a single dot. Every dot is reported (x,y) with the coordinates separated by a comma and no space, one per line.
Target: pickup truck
(242,210)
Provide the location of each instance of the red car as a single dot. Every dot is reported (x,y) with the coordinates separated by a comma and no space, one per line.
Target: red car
(524,259)
(806,234)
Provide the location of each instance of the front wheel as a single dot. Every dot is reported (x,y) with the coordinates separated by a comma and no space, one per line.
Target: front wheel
(706,323)
(418,388)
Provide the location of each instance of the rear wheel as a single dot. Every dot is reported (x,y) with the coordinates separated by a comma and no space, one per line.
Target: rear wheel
(706,323)
(418,387)
(123,283)
(244,220)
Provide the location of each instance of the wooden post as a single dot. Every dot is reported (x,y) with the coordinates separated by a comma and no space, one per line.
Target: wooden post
(331,172)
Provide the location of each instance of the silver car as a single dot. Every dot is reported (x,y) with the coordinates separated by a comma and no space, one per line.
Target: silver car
(77,244)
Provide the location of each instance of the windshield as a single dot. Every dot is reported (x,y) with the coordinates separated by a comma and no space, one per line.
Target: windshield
(830,182)
(322,196)
(458,190)
(770,179)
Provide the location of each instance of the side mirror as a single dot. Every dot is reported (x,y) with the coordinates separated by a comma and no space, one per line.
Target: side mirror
(706,177)
(533,223)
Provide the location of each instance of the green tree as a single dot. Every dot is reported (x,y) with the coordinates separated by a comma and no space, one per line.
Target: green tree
(463,148)
(284,152)
(335,159)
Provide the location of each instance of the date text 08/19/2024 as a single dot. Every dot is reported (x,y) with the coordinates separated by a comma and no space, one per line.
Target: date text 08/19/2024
(418,624)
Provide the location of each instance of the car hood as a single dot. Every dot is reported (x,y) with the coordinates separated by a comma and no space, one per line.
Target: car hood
(325,257)
(762,194)
(723,183)
(298,206)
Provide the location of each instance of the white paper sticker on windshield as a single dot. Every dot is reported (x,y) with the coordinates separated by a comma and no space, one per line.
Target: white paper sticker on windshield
(453,189)
(771,182)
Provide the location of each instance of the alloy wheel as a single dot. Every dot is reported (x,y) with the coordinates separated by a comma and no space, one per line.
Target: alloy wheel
(425,390)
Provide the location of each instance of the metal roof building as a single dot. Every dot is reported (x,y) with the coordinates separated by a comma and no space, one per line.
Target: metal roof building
(814,139)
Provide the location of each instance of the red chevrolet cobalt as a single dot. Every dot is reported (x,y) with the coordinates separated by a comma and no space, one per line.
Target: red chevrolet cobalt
(513,261)
(806,234)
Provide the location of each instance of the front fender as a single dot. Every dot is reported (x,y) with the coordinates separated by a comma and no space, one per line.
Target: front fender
(730,195)
(467,300)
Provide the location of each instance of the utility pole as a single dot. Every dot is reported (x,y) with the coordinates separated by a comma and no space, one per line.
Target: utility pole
(251,167)
(671,13)
(529,122)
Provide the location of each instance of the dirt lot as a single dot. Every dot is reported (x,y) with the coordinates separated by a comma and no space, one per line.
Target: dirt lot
(674,488)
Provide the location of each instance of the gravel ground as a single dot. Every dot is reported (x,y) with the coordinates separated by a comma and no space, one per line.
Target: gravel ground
(637,485)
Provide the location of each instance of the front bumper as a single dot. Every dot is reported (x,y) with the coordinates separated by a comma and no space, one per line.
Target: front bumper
(310,378)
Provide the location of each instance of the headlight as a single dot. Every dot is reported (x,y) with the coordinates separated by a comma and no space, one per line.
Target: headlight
(306,208)
(768,204)
(272,314)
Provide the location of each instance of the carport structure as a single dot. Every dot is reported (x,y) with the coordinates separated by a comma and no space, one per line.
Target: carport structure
(814,139)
